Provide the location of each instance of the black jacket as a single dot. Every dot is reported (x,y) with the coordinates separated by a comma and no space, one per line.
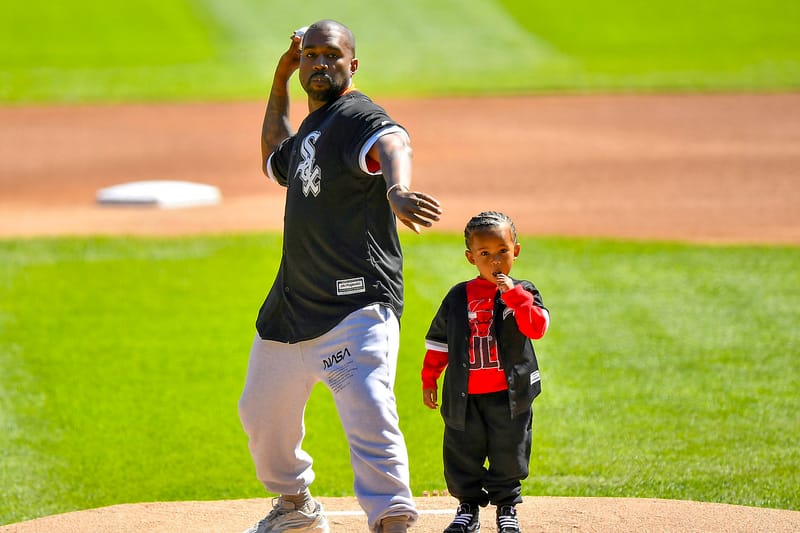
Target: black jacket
(450,326)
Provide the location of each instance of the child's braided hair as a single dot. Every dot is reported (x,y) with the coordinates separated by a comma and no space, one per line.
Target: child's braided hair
(488,219)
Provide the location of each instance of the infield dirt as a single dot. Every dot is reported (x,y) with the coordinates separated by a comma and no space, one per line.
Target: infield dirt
(710,168)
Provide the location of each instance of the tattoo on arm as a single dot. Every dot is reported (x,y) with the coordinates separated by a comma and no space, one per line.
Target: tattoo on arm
(276,121)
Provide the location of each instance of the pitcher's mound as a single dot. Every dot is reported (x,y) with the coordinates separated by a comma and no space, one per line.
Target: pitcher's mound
(537,514)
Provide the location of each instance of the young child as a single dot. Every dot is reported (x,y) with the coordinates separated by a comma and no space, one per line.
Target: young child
(482,333)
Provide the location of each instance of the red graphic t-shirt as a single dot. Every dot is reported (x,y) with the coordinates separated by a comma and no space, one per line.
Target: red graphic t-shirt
(485,367)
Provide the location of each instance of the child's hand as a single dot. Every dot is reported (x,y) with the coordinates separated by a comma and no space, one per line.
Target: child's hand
(504,283)
(429,398)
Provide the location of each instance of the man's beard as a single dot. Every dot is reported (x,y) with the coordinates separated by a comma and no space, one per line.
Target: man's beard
(325,95)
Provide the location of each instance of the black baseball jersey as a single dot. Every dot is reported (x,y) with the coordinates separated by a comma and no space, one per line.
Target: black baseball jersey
(341,250)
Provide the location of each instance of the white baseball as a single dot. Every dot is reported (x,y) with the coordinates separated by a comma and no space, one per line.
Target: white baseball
(301,31)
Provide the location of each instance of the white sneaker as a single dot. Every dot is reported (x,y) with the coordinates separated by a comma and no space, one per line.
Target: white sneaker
(394,524)
(286,518)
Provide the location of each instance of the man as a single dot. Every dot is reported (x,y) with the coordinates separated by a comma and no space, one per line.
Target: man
(332,313)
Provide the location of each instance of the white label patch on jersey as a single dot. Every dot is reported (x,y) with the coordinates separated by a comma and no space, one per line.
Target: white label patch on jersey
(350,286)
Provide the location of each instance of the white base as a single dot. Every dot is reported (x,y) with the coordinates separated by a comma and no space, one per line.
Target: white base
(163,194)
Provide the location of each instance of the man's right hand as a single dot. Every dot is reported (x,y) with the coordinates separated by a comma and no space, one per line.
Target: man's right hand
(290,60)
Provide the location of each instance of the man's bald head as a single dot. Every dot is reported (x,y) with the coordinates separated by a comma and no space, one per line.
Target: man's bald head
(348,39)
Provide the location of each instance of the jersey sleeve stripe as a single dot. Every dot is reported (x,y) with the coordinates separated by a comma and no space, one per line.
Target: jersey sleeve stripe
(362,156)
(270,172)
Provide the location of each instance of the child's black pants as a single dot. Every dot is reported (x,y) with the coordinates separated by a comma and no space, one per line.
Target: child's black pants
(490,433)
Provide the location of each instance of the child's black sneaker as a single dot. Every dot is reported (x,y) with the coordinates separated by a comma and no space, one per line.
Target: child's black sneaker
(466,520)
(507,519)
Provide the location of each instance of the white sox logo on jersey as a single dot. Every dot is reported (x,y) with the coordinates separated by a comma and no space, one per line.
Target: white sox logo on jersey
(308,171)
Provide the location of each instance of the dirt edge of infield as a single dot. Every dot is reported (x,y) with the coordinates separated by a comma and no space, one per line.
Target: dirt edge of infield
(537,514)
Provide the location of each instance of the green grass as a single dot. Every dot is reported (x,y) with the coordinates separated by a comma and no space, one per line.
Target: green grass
(673,44)
(87,50)
(670,370)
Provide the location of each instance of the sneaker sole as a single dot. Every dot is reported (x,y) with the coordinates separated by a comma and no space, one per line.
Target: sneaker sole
(318,526)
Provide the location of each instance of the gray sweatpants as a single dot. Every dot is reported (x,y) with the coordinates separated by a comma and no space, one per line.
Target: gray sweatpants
(357,361)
